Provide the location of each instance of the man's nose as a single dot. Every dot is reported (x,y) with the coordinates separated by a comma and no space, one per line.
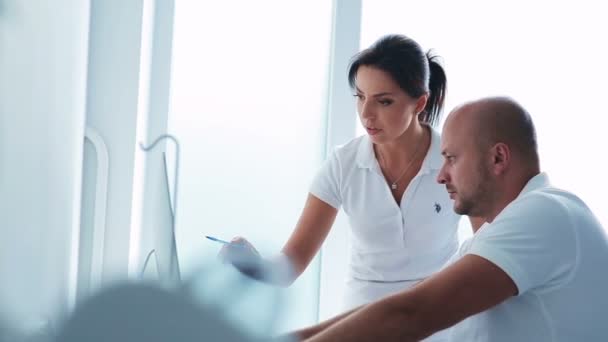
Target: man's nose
(442,176)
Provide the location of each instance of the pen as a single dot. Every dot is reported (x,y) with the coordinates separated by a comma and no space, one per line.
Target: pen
(224,241)
(217,240)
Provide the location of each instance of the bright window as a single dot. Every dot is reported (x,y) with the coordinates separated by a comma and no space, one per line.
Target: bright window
(248,103)
(549,56)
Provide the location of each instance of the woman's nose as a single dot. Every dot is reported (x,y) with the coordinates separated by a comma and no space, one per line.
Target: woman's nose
(365,110)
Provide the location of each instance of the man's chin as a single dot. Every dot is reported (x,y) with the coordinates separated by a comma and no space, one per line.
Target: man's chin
(460,210)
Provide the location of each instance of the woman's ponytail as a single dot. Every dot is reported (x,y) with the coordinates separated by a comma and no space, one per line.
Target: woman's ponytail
(437,91)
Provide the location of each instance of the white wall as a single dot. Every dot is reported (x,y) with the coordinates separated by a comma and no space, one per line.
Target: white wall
(43,56)
(341,127)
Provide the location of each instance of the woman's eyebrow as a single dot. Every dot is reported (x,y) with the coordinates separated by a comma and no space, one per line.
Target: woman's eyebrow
(385,93)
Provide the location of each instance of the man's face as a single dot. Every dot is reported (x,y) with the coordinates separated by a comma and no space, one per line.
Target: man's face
(465,172)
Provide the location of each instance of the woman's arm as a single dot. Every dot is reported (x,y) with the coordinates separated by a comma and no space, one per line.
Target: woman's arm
(311,230)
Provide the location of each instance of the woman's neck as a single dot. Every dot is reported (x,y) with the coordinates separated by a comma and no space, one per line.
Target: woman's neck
(411,144)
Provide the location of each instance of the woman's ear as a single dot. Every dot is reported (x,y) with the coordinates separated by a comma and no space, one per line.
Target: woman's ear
(421,103)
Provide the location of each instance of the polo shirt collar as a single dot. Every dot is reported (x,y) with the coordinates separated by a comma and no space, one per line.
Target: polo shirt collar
(432,161)
(539,181)
(365,154)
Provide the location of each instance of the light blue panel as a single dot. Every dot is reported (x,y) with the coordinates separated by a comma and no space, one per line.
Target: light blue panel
(112,108)
(43,58)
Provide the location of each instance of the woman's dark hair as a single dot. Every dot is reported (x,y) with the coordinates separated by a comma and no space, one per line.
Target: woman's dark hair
(414,71)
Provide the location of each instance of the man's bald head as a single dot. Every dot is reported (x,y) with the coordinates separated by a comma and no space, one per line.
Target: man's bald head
(495,120)
(490,153)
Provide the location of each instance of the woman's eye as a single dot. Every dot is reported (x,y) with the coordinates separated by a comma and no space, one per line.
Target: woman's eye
(358,96)
(385,102)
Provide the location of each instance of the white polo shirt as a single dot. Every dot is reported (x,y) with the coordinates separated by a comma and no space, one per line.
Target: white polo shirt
(556,253)
(390,242)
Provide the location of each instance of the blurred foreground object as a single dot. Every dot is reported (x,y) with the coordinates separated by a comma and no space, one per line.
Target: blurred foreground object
(144,312)
(215,304)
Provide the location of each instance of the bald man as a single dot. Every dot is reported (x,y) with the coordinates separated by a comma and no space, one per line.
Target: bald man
(534,271)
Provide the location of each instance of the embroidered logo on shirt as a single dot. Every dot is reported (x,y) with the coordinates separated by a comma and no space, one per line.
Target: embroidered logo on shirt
(437,207)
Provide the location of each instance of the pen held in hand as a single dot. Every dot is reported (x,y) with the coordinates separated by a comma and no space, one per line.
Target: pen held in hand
(236,244)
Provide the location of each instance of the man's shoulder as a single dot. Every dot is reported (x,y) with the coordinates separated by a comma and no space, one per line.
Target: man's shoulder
(542,201)
(552,201)
(544,207)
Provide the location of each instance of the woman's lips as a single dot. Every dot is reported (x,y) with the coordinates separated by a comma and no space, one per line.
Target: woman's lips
(372,131)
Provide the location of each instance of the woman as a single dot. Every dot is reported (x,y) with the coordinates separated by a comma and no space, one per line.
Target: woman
(403,226)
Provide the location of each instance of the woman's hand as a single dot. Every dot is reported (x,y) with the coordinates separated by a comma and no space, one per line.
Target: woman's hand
(242,255)
(239,246)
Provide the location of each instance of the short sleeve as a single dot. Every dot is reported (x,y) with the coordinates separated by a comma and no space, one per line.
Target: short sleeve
(533,241)
(326,183)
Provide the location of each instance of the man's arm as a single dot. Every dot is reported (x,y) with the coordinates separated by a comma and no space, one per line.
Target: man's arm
(315,329)
(471,285)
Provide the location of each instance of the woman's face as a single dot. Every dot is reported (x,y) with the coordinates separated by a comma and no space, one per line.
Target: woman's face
(385,110)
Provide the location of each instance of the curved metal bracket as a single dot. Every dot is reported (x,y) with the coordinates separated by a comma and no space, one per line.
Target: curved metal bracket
(99,215)
(176,173)
(175,193)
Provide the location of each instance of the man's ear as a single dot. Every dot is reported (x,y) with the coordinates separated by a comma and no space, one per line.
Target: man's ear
(501,158)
